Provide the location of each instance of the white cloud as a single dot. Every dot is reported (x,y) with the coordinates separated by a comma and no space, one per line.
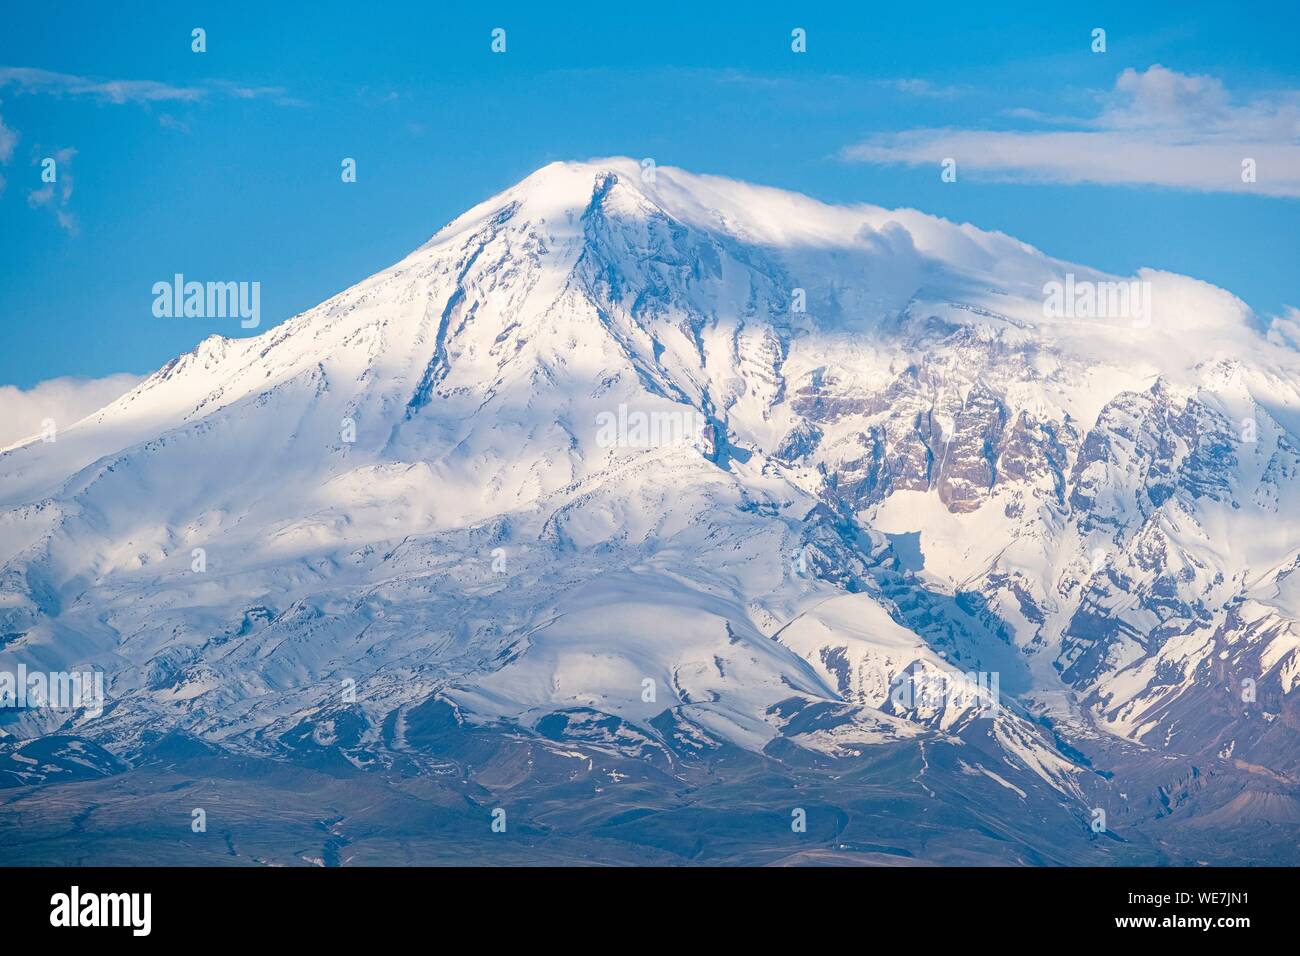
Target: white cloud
(276,94)
(1157,127)
(917,87)
(30,80)
(65,400)
(167,121)
(1285,328)
(8,139)
(33,80)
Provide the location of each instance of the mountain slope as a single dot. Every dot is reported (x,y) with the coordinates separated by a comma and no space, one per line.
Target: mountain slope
(673,469)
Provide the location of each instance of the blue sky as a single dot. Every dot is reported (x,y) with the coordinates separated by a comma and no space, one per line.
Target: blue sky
(225,164)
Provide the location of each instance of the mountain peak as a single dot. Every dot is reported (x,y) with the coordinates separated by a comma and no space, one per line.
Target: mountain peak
(791,463)
(547,194)
(909,258)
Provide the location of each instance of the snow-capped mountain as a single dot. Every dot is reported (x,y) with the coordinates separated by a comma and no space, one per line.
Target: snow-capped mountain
(649,465)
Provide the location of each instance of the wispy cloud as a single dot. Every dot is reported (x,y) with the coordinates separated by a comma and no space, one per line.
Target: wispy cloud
(37,82)
(240,91)
(918,87)
(167,121)
(8,139)
(1157,127)
(31,80)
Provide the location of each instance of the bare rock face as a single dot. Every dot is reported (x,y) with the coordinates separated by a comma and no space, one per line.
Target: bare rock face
(1038,452)
(1134,607)
(968,462)
(1148,447)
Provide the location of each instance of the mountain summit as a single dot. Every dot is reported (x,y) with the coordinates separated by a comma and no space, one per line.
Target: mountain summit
(632,483)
